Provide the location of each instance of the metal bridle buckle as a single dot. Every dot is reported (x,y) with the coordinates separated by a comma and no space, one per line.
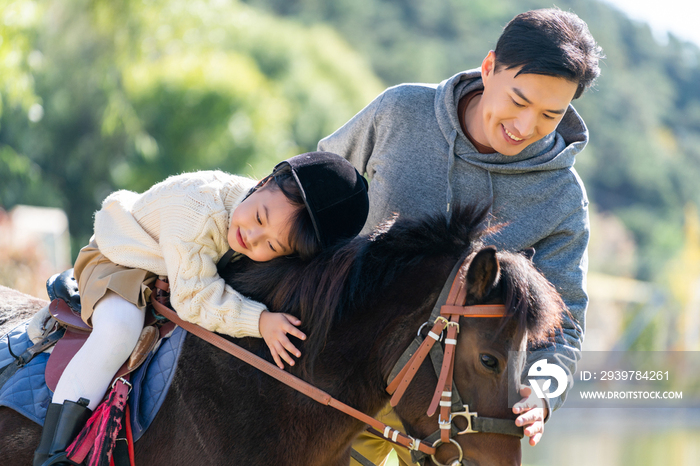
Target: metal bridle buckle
(457,462)
(439,318)
(125,382)
(468,416)
(445,424)
(420,329)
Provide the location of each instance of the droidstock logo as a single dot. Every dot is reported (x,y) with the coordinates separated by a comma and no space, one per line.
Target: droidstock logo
(543,369)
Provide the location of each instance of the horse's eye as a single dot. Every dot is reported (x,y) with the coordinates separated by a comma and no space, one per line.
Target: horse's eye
(489,361)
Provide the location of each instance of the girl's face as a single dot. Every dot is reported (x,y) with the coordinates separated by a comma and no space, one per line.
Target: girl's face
(260,225)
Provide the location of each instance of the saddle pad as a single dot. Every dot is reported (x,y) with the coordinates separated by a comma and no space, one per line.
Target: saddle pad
(26,391)
(152,380)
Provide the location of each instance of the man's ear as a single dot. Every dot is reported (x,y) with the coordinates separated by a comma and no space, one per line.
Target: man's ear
(488,66)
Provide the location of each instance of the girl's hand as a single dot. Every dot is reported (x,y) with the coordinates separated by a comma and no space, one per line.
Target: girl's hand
(274,327)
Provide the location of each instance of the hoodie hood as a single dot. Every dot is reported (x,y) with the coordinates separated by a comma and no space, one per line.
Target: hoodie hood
(555,151)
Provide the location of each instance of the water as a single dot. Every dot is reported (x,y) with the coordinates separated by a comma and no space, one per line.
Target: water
(618,437)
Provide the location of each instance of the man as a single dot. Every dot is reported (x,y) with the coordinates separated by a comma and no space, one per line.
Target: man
(507,133)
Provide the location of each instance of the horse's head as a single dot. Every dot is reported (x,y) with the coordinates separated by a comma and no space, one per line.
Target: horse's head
(531,313)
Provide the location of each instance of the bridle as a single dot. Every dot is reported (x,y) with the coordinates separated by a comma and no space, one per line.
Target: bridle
(446,313)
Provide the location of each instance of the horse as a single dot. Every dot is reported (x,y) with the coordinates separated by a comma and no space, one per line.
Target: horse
(361,305)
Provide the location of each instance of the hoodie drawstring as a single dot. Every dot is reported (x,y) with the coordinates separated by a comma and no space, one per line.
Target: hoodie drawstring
(450,165)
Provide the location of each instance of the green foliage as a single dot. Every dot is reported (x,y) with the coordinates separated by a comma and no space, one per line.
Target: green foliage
(99,95)
(19,22)
(408,40)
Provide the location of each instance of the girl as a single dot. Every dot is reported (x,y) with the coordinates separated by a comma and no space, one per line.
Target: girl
(181,228)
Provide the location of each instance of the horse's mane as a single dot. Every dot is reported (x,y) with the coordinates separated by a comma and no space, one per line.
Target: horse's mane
(332,286)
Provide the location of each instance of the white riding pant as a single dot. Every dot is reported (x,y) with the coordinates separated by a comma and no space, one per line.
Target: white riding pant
(117,325)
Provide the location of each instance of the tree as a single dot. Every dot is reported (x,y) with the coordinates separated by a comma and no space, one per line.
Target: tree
(124,94)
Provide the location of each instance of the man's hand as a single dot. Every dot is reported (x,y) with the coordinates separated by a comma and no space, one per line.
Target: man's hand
(274,327)
(533,412)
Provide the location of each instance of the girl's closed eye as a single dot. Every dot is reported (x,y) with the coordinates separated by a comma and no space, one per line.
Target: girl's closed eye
(517,104)
(257,216)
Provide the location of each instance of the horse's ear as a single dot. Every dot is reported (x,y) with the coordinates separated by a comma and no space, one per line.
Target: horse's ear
(529,253)
(483,273)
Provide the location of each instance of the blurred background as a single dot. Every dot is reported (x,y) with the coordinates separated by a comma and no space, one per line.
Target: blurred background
(98,95)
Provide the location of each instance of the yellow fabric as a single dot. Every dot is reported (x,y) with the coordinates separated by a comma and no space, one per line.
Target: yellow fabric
(377,449)
(96,274)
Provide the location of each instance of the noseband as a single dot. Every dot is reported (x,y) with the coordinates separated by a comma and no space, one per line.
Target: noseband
(449,308)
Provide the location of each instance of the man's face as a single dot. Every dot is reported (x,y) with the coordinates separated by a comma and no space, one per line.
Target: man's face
(518,111)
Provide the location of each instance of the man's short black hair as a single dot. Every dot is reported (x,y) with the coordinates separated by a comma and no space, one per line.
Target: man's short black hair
(550,42)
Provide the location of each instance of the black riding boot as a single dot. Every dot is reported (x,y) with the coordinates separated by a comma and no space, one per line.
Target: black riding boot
(62,425)
(42,452)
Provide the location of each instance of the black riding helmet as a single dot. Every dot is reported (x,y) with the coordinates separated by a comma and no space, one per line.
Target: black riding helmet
(334,193)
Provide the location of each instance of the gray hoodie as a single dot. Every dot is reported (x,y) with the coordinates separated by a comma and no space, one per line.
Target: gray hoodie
(409,143)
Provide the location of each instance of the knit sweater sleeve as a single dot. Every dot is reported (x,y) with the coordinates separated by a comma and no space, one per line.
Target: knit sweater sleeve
(179,228)
(200,295)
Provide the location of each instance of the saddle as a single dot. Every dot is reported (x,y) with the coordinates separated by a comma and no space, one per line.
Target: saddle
(65,309)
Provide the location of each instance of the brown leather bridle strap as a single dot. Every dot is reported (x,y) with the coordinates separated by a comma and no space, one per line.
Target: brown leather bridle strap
(477,310)
(458,290)
(400,383)
(285,377)
(398,386)
(446,381)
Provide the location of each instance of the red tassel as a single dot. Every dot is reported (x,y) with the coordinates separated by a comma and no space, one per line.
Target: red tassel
(96,441)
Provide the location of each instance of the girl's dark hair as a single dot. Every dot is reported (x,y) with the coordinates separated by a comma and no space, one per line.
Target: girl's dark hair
(302,236)
(550,42)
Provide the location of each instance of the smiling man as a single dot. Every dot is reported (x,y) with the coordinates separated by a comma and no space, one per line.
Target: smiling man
(504,133)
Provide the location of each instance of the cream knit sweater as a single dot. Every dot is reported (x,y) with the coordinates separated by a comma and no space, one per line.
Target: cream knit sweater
(179,228)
